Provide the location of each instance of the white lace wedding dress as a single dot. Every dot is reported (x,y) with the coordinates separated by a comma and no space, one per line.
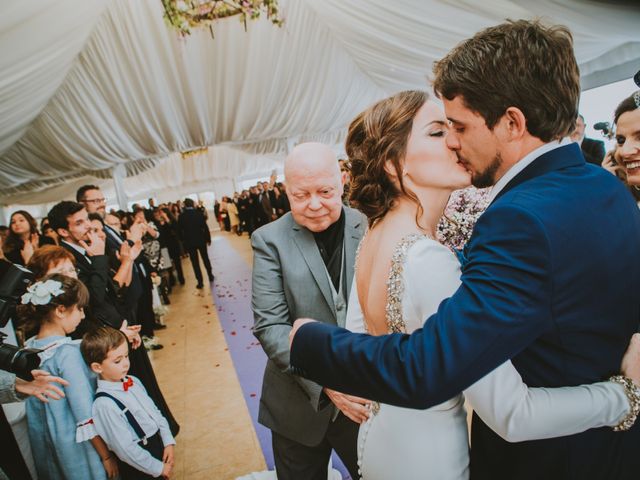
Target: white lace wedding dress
(401,443)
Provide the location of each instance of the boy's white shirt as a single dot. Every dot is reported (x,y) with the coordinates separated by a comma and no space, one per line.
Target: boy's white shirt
(112,425)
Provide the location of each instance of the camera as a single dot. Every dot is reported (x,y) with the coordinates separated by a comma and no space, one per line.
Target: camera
(14,280)
(605,128)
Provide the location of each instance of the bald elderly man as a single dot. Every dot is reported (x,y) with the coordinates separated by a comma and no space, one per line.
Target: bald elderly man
(303,267)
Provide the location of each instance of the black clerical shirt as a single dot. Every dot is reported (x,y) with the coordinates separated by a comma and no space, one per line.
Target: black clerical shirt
(330,243)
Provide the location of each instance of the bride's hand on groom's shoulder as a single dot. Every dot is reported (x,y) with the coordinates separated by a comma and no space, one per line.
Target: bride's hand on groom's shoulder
(631,361)
(296,325)
(355,408)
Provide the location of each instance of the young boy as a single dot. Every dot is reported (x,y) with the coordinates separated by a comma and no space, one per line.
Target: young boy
(123,414)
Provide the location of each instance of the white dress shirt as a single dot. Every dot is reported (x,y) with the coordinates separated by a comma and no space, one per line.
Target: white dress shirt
(78,249)
(112,424)
(524,163)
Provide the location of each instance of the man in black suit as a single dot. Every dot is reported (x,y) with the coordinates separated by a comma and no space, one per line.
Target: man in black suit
(137,299)
(593,150)
(70,221)
(195,238)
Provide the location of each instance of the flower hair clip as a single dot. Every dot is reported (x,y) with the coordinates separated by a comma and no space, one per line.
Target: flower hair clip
(636,98)
(41,293)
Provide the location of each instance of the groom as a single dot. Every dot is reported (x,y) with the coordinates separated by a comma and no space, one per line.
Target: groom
(556,231)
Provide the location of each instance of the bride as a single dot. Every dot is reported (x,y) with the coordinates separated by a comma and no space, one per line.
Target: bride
(402,177)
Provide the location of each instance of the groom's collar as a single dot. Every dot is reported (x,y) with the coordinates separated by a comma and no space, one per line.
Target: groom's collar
(524,163)
(560,155)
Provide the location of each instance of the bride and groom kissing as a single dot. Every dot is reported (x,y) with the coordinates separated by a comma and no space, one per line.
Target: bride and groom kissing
(530,320)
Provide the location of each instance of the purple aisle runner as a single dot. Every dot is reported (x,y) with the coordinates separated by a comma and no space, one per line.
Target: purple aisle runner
(232,294)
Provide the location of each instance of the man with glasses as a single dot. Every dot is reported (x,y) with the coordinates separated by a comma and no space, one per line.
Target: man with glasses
(139,290)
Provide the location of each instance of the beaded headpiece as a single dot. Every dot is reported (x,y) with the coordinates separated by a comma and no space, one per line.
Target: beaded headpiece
(636,98)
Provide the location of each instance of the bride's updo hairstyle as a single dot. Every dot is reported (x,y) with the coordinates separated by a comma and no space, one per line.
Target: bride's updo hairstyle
(379,135)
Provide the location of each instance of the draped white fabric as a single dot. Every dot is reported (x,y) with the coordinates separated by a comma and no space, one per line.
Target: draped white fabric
(172,178)
(136,93)
(39,41)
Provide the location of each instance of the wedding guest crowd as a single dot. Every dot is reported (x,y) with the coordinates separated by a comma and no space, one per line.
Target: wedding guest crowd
(250,209)
(97,273)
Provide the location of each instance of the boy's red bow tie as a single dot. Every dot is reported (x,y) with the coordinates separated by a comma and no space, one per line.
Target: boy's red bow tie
(126,384)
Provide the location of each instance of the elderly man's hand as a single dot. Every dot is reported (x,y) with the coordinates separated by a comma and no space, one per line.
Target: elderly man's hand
(354,408)
(296,325)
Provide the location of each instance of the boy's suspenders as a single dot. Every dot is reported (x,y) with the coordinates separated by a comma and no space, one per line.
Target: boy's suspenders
(130,418)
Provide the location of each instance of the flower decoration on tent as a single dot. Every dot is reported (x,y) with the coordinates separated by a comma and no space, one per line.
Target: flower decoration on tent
(40,293)
(183,15)
(461,214)
(192,153)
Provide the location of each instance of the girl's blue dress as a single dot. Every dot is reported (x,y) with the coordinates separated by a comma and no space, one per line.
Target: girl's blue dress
(58,430)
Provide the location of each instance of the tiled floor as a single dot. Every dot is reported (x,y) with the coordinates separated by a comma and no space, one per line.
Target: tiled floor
(217,440)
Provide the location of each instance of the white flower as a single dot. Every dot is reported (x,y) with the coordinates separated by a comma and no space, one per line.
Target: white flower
(182,6)
(40,293)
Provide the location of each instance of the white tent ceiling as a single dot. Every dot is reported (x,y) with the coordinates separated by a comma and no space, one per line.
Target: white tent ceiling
(87,85)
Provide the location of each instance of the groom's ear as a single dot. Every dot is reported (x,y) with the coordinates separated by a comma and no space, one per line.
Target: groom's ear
(513,124)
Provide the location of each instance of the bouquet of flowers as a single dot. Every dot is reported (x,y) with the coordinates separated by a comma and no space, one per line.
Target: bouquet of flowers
(460,216)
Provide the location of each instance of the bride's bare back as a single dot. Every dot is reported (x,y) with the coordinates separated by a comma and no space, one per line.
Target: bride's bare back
(373,266)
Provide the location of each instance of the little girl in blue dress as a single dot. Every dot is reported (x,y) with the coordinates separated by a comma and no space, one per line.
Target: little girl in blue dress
(62,435)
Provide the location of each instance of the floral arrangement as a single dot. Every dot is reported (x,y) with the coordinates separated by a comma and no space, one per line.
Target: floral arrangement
(41,293)
(194,152)
(461,214)
(183,15)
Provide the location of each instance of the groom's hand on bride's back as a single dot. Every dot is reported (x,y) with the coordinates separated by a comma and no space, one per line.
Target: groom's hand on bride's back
(296,325)
(354,408)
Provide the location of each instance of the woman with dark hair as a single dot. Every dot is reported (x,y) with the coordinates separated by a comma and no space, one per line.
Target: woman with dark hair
(402,176)
(624,160)
(23,238)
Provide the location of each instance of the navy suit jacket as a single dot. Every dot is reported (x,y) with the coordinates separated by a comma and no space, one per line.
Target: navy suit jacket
(551,282)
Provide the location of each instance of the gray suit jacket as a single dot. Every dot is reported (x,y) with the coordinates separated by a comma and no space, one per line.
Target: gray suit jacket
(289,282)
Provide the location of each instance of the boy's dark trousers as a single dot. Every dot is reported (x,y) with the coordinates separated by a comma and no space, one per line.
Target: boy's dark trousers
(155,447)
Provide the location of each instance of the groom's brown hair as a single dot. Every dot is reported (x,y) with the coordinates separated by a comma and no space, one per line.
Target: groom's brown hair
(521,64)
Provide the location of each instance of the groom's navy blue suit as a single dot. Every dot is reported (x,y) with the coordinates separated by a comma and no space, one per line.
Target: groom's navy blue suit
(551,281)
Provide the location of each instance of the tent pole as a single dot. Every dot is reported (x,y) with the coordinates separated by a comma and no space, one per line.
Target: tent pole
(119,173)
(4,220)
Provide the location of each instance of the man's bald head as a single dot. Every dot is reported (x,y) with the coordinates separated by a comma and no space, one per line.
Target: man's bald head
(310,159)
(314,186)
